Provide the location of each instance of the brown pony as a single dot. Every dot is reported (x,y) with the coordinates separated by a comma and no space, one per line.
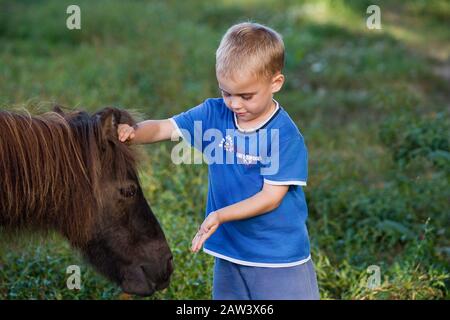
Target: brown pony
(68,172)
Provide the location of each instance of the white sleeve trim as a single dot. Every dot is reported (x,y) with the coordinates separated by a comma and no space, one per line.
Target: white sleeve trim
(177,129)
(285,183)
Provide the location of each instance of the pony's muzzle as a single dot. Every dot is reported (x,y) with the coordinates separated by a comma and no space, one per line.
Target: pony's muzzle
(161,279)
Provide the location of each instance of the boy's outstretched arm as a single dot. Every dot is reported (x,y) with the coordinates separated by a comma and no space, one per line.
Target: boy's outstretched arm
(269,198)
(148,131)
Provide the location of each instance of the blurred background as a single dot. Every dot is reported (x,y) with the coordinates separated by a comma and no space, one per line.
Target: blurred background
(373,106)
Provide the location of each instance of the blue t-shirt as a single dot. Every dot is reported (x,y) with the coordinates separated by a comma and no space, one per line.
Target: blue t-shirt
(239,164)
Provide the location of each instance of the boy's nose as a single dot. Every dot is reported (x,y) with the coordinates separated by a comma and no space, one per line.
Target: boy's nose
(234,105)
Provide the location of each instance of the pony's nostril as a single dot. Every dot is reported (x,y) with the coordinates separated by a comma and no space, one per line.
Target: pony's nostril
(161,276)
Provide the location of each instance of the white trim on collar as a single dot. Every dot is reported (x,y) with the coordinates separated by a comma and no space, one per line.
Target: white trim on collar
(277,106)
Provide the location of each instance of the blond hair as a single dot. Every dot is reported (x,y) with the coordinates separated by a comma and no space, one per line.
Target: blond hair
(250,47)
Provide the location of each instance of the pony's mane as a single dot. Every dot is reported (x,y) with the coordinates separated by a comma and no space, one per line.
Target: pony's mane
(51,166)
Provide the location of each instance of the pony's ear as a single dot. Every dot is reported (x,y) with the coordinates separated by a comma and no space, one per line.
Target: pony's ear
(109,121)
(58,109)
(111,118)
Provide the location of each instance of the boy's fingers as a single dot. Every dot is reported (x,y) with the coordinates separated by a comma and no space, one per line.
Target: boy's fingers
(194,244)
(200,237)
(126,134)
(200,241)
(198,246)
(195,248)
(194,241)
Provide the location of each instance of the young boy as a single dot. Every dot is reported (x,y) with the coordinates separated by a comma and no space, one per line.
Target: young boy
(256,212)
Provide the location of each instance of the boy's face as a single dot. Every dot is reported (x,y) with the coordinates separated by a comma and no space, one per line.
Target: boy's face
(248,97)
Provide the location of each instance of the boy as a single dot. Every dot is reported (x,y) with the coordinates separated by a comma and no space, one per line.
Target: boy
(256,212)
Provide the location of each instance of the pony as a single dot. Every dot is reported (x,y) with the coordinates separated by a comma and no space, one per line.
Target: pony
(68,172)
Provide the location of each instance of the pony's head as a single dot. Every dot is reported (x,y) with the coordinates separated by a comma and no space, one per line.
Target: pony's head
(126,242)
(69,172)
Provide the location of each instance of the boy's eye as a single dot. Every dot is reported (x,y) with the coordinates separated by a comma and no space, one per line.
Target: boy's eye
(246,97)
(225,94)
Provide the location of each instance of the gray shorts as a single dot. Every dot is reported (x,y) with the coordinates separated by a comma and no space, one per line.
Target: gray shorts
(237,282)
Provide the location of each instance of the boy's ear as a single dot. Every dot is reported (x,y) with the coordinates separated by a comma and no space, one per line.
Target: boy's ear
(277,82)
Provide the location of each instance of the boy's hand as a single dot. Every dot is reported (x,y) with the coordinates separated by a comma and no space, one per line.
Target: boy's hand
(125,132)
(208,227)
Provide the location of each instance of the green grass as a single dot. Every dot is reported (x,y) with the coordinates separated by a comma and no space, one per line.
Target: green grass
(372,107)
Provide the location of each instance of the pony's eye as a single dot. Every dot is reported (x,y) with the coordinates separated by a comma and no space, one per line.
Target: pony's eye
(129,191)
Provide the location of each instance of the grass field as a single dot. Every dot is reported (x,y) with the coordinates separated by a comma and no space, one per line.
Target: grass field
(373,106)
